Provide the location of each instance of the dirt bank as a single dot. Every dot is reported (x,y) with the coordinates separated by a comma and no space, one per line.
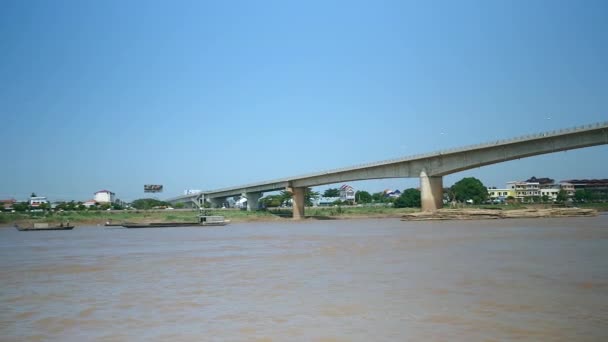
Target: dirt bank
(481,214)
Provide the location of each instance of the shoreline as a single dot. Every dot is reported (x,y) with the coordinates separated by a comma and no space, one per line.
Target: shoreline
(481,214)
(119,218)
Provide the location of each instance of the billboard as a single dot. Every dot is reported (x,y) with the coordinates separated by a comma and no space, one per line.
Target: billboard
(153,188)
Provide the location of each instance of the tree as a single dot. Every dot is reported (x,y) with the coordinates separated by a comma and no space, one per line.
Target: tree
(310,195)
(363,197)
(581,195)
(332,192)
(33,194)
(272,201)
(21,206)
(470,188)
(148,203)
(116,206)
(179,205)
(410,198)
(562,196)
(378,197)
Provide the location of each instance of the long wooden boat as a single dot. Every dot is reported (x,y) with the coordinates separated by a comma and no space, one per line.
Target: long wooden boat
(212,220)
(33,229)
(205,220)
(160,225)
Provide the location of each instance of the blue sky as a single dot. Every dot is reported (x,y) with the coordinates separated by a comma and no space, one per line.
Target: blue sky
(202,95)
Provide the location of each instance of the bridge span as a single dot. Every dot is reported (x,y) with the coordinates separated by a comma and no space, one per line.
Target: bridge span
(430,167)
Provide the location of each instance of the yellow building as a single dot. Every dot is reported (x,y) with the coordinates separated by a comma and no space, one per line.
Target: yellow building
(500,195)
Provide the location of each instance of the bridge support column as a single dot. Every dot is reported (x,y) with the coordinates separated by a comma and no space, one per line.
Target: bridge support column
(252,200)
(298,202)
(431,192)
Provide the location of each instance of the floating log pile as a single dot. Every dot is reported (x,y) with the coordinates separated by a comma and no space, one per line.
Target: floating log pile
(485,214)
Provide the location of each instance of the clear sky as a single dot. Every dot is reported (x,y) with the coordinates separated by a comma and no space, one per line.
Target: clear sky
(201,95)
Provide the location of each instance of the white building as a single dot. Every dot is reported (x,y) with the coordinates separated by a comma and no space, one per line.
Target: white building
(36,201)
(568,188)
(550,192)
(105,196)
(347,193)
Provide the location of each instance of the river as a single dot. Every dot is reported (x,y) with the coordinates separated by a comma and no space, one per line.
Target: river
(334,280)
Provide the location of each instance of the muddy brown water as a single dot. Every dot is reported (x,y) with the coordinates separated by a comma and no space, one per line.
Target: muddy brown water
(350,280)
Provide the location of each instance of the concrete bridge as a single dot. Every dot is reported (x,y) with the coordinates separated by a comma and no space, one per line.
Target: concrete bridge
(429,167)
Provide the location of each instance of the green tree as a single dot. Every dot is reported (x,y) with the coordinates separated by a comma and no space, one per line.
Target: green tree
(544,198)
(272,201)
(582,196)
(21,206)
(331,192)
(562,196)
(470,188)
(410,198)
(378,197)
(310,195)
(147,203)
(363,197)
(179,205)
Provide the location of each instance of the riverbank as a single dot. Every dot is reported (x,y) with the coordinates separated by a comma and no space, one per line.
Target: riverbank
(481,214)
(94,218)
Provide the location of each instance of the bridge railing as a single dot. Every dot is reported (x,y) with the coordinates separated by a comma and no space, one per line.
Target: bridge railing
(430,154)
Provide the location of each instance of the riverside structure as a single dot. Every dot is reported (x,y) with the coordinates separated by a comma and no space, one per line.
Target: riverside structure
(430,168)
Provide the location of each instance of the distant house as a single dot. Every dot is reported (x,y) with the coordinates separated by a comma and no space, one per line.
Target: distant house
(37,201)
(7,204)
(89,203)
(347,193)
(105,196)
(392,193)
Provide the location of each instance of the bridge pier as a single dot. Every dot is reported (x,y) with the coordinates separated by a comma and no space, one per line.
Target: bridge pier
(252,200)
(431,192)
(298,202)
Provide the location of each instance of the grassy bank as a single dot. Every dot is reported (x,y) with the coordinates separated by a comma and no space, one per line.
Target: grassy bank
(145,216)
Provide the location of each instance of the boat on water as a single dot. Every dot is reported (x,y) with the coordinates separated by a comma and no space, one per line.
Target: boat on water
(160,224)
(212,220)
(44,226)
(204,220)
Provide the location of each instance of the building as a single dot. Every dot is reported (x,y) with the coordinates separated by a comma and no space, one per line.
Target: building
(392,193)
(37,201)
(525,192)
(597,188)
(347,193)
(567,187)
(89,203)
(104,196)
(500,195)
(550,193)
(7,204)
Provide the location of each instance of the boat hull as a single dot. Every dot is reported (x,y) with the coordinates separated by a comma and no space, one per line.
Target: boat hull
(175,224)
(31,229)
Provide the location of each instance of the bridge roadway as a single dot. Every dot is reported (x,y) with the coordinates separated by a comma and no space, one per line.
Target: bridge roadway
(430,167)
